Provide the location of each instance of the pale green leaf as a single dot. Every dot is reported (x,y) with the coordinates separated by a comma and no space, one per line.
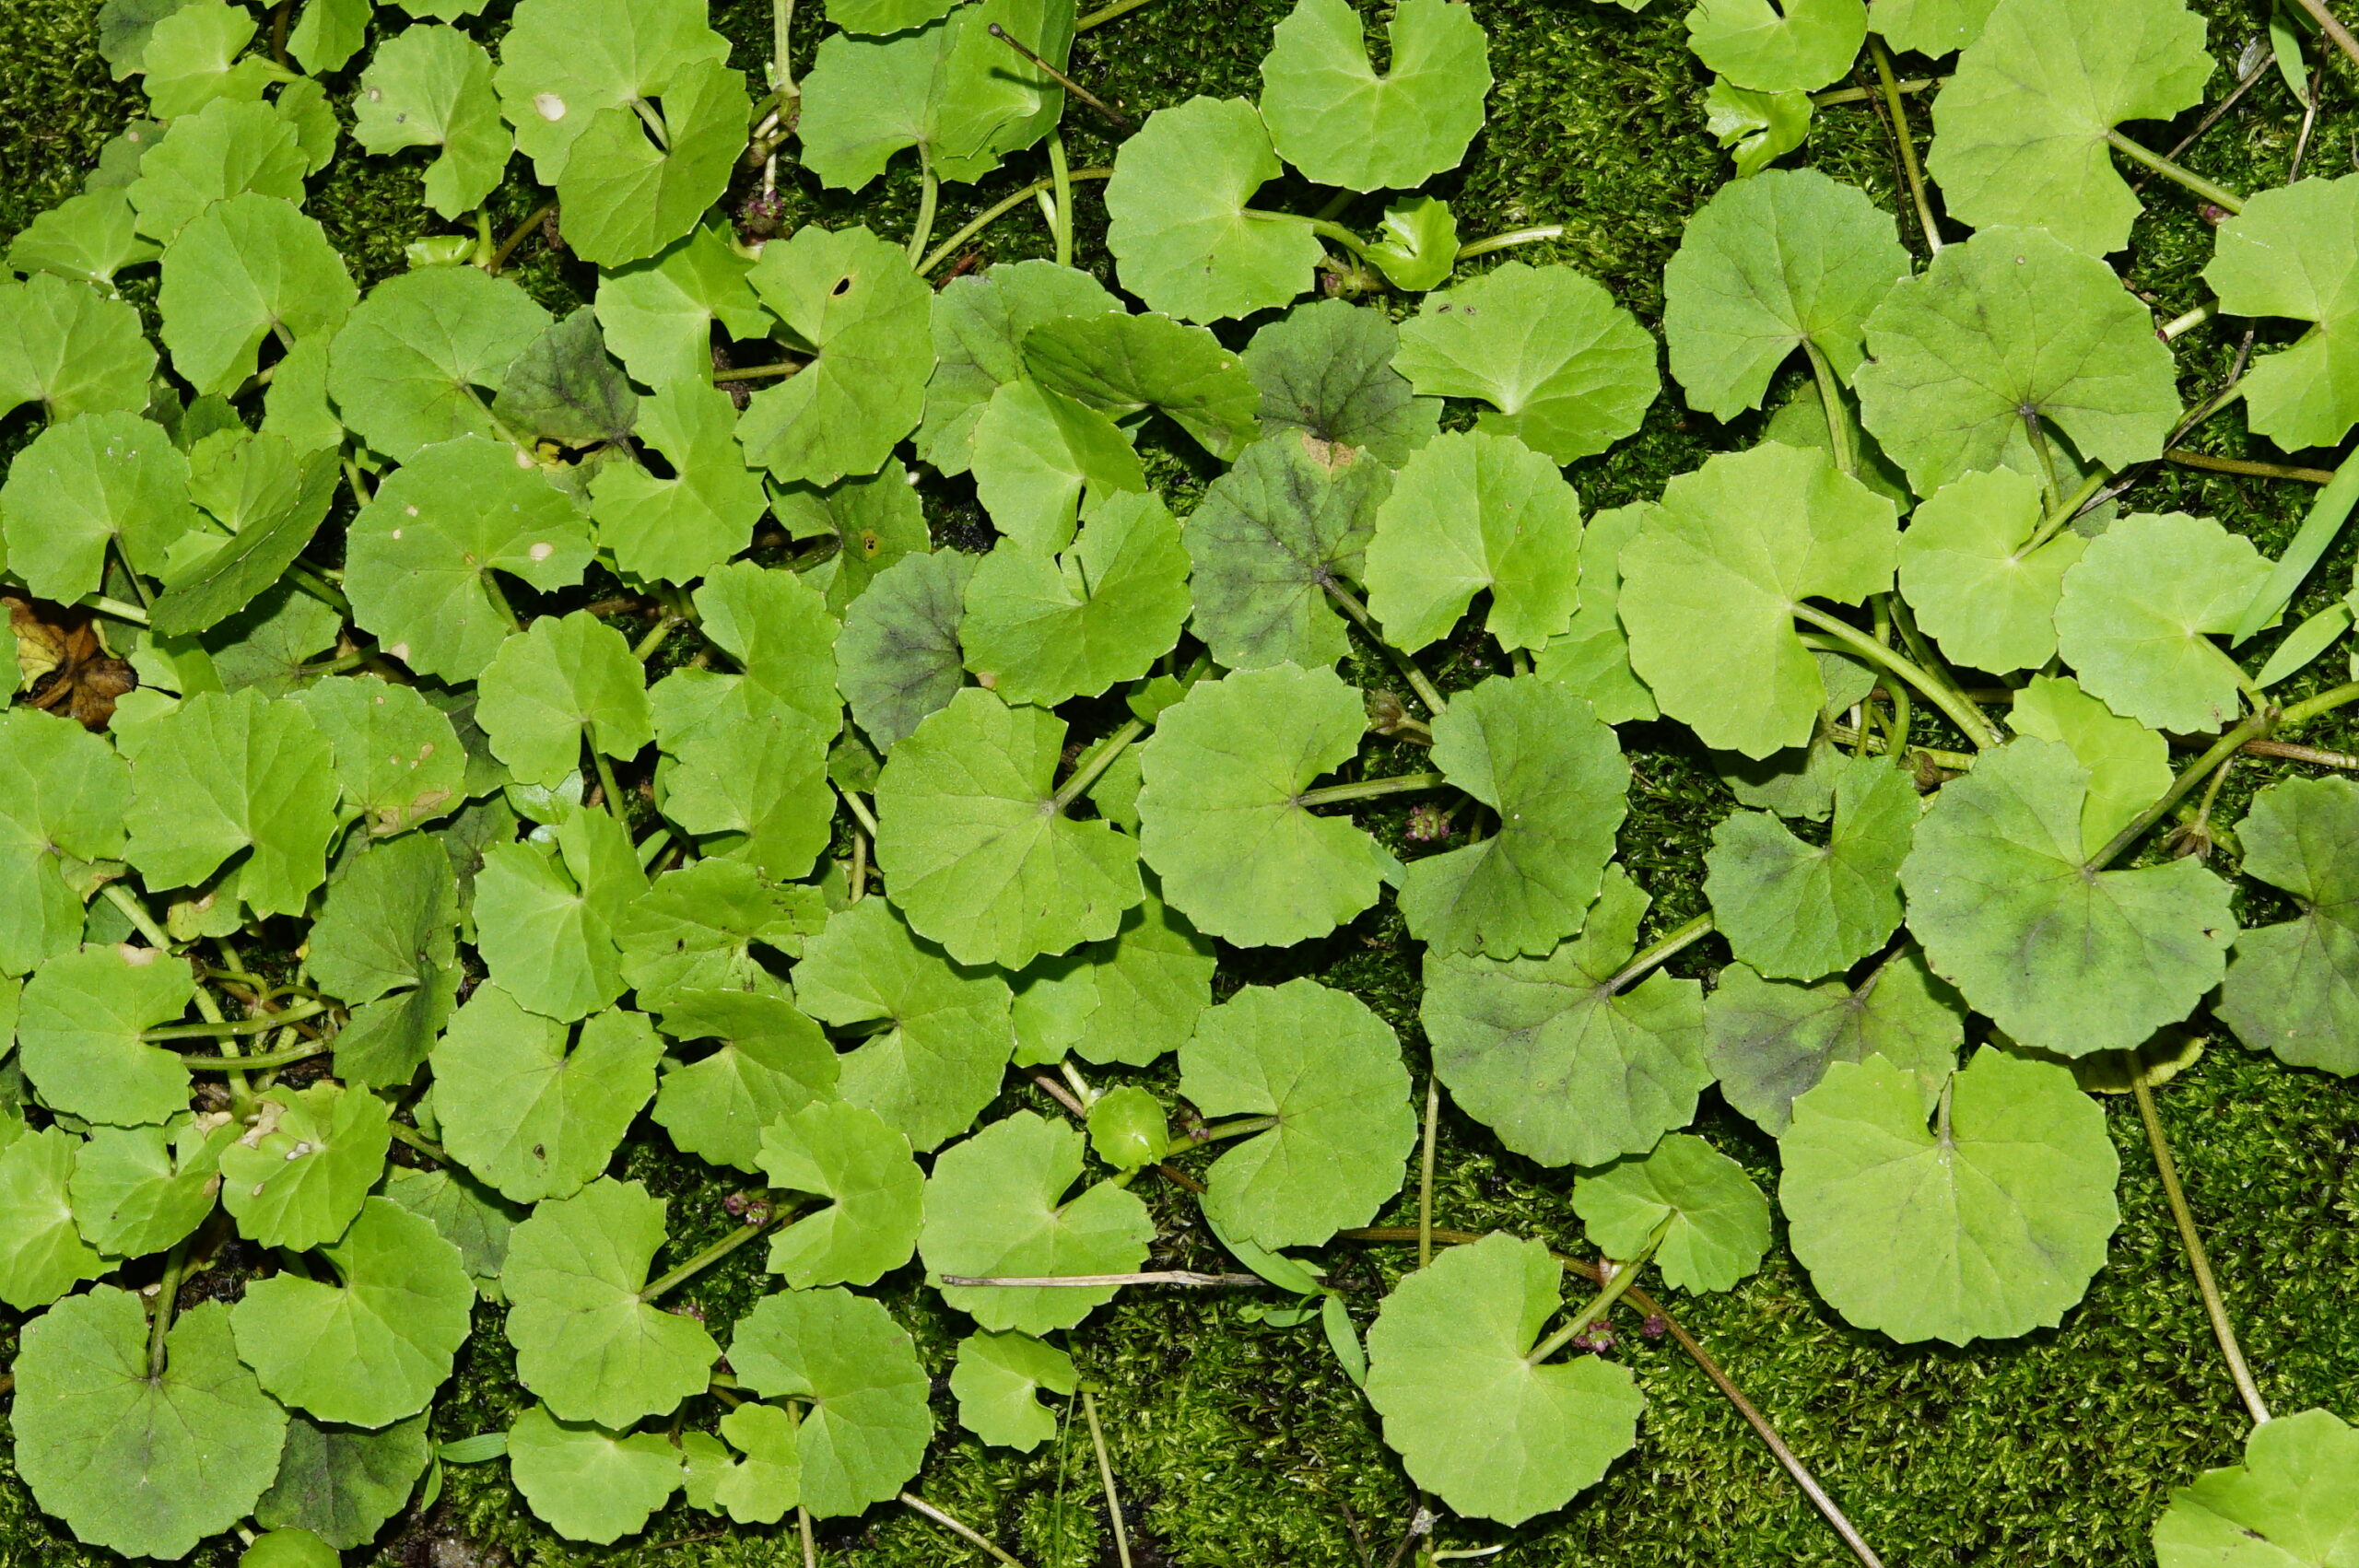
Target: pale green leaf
(418,358)
(876,517)
(1035,454)
(1182,234)
(1419,248)
(79,1025)
(297,1176)
(1123,366)
(89,238)
(1793,46)
(588,1483)
(844,1153)
(658,314)
(761,1488)
(1471,512)
(432,87)
(1716,1222)
(275,496)
(397,760)
(627,193)
(42,1255)
(2292,1502)
(83,484)
(221,151)
(529,1111)
(2136,613)
(1931,28)
(193,57)
(1041,628)
(1756,128)
(224,775)
(676,530)
(978,324)
(139,1190)
(2290,988)
(997,1380)
(1592,656)
(1795,910)
(562,62)
(696,928)
(1127,1000)
(1334,118)
(465,1214)
(2130,766)
(62,794)
(770,1061)
(1970,571)
(865,1432)
(2287,254)
(559,681)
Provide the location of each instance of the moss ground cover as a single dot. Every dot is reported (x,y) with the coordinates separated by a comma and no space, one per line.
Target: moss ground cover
(1239,1442)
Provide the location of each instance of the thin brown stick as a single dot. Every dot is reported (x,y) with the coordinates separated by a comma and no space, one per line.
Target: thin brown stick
(1059,1093)
(2293,752)
(2332,29)
(1642,1301)
(2261,67)
(1152,1277)
(910,1500)
(2186,459)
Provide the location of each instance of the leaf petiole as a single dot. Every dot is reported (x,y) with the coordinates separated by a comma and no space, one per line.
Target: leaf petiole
(2197,1259)
(1901,134)
(168,1295)
(929,199)
(1625,1275)
(1960,712)
(1512,237)
(1838,418)
(218,1028)
(999,209)
(1654,958)
(1427,693)
(1243,1127)
(1105,1475)
(713,1255)
(1097,762)
(2219,196)
(1399,784)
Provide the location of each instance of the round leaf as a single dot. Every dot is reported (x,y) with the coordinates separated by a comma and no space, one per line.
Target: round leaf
(78,1026)
(1271,536)
(1470,512)
(1769,1041)
(845,1153)
(1794,46)
(1719,1223)
(1040,629)
(865,1431)
(42,1256)
(342,1484)
(2136,611)
(2290,986)
(1325,370)
(1183,233)
(2295,1499)
(1793,909)
(900,654)
(241,271)
(297,1177)
(526,1114)
(588,1483)
(413,362)
(1969,570)
(1334,118)
(996,1380)
(771,1061)
(2281,256)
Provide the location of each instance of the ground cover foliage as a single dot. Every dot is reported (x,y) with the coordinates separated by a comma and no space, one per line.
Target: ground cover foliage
(1236,1435)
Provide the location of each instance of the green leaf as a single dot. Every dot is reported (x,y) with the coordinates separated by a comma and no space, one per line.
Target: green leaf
(70,348)
(1795,46)
(587,1484)
(1756,128)
(193,57)
(754,785)
(1336,120)
(530,1113)
(422,554)
(876,519)
(2282,257)
(2008,325)
(899,658)
(845,1153)
(224,774)
(586,1343)
(1770,264)
(1472,1417)
(997,1380)
(762,1487)
(79,1025)
(1330,1072)
(1128,1128)
(865,1431)
(771,1061)
(88,239)
(468,1215)
(853,299)
(1041,628)
(397,757)
(1471,512)
(1795,910)
(1563,1069)
(1223,825)
(386,929)
(1325,370)
(884,15)
(223,150)
(1420,245)
(415,361)
(1036,452)
(1931,28)
(62,794)
(1997,869)
(2019,130)
(563,388)
(82,484)
(2130,766)
(1122,366)
(1569,371)
(328,33)
(374,1347)
(2290,986)
(1127,1000)
(242,271)
(626,196)
(297,1176)
(139,1190)
(1770,1040)
(977,849)
(696,927)
(147,1466)
(781,634)
(996,1206)
(42,1256)
(1592,656)
(943,1039)
(1537,754)
(658,314)
(676,530)
(563,61)
(342,1484)
(979,326)
(2136,611)
(1181,233)
(1719,1223)
(1710,584)
(561,681)
(1968,568)
(1986,1225)
(124,28)
(2290,1501)
(275,496)
(432,87)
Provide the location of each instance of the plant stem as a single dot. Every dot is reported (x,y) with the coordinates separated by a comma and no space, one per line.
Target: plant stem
(1427,692)
(1951,701)
(1399,784)
(1426,1136)
(1105,1474)
(419,1142)
(1616,1285)
(1098,18)
(1512,237)
(136,913)
(1327,229)
(810,1544)
(608,790)
(1100,758)
(2332,29)
(1830,397)
(781,62)
(2327,517)
(498,598)
(1829,99)
(238,1066)
(1083,93)
(2055,521)
(954,1527)
(2179,326)
(713,1254)
(999,209)
(1243,1127)
(113,607)
(656,636)
(654,121)
(1094,1281)
(516,237)
(2196,1257)
(2310,755)
(214,1030)
(1900,133)
(2178,175)
(755,372)
(2193,774)
(2186,459)
(1660,953)
(168,1295)
(929,197)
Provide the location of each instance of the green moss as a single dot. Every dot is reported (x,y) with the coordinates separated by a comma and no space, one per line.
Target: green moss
(1239,1444)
